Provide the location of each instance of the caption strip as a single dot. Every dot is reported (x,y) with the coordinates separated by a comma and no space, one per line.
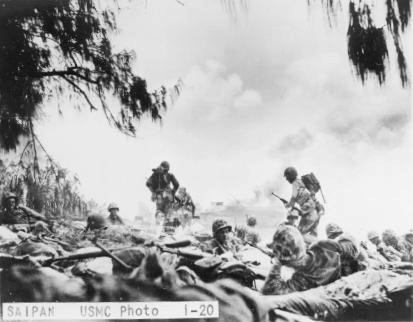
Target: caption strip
(109,310)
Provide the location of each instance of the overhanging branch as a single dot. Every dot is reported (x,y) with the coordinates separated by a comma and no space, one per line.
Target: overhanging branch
(81,91)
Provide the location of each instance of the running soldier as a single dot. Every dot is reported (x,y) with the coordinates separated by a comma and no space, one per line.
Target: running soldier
(310,209)
(163,186)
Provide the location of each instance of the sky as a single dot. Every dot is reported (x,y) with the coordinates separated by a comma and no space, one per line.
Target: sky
(267,87)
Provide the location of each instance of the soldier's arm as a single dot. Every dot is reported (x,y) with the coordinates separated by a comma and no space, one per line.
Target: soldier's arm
(149,184)
(275,285)
(294,195)
(175,183)
(32,213)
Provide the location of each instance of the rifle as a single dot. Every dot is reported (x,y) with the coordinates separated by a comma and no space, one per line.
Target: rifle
(285,202)
(270,254)
(190,254)
(104,253)
(91,254)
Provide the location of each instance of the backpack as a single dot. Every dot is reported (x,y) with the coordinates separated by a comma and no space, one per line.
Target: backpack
(311,183)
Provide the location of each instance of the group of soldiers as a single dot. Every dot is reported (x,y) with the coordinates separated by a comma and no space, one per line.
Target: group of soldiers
(315,261)
(169,197)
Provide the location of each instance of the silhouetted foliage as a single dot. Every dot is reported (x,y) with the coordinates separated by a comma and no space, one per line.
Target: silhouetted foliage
(367,43)
(62,47)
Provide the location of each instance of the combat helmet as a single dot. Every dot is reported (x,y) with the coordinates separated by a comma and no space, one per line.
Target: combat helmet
(95,221)
(10,195)
(290,172)
(165,165)
(389,237)
(288,244)
(251,221)
(373,235)
(218,225)
(113,205)
(333,230)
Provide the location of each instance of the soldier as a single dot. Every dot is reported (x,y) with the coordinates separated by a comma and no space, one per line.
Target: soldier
(408,239)
(184,201)
(248,234)
(357,258)
(114,217)
(309,206)
(388,252)
(318,265)
(159,183)
(96,222)
(292,218)
(15,214)
(223,240)
(391,239)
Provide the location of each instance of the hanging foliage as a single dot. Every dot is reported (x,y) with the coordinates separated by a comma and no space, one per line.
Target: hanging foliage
(62,48)
(367,43)
(49,189)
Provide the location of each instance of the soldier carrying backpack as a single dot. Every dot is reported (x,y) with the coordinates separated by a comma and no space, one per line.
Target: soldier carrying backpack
(303,195)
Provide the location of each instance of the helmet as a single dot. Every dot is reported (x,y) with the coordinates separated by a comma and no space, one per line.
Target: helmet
(10,195)
(372,235)
(95,222)
(113,205)
(389,237)
(290,172)
(288,245)
(218,225)
(165,165)
(409,233)
(41,227)
(332,230)
(251,221)
(181,190)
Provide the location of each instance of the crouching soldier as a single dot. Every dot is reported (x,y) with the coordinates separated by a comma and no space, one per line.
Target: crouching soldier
(355,258)
(114,217)
(14,214)
(185,206)
(392,240)
(223,240)
(318,265)
(388,252)
(248,234)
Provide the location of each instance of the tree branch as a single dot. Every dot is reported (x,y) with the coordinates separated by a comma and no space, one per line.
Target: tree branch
(81,91)
(63,73)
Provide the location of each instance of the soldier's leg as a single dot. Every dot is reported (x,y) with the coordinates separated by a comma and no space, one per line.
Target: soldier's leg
(309,223)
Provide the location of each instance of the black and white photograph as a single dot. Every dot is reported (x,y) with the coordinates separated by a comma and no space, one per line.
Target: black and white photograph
(206,160)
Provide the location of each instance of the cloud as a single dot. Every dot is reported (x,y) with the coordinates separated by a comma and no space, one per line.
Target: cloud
(218,94)
(298,141)
(248,100)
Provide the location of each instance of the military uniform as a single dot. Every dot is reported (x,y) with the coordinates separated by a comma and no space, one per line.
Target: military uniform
(14,217)
(322,267)
(408,239)
(160,185)
(247,235)
(232,245)
(310,212)
(392,240)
